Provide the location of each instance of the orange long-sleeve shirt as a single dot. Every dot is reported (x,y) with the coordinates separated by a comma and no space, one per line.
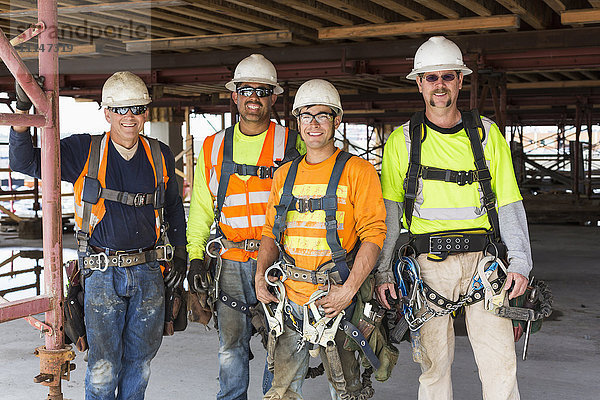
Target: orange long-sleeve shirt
(360,215)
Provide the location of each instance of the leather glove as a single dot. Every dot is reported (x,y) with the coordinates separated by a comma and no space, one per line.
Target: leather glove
(178,269)
(198,278)
(23,101)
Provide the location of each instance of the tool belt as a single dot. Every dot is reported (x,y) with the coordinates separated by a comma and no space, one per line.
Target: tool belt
(114,258)
(441,244)
(249,245)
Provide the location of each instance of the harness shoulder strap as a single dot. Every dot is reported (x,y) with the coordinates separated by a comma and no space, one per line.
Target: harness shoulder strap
(338,253)
(227,169)
(411,182)
(93,166)
(475,131)
(285,202)
(291,152)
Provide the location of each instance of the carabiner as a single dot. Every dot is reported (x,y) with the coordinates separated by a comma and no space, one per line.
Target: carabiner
(217,241)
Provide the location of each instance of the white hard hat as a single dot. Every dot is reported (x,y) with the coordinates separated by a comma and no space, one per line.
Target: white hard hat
(124,89)
(438,54)
(317,91)
(257,69)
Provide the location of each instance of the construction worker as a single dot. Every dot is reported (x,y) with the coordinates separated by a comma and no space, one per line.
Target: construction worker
(448,176)
(123,208)
(235,169)
(326,225)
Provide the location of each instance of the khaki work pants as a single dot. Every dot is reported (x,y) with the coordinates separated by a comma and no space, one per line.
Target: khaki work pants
(491,337)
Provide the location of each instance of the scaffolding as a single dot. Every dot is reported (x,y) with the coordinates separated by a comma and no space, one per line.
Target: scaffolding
(54,356)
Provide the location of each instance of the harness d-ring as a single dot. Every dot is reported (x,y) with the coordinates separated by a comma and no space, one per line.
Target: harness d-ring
(406,250)
(496,254)
(218,242)
(276,266)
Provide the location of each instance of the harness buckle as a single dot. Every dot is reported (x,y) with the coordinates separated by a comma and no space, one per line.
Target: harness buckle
(265,172)
(167,252)
(139,200)
(464,177)
(99,258)
(303,205)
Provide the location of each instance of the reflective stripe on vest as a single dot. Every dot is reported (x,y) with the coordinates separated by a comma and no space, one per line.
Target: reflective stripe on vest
(98,209)
(245,204)
(447,214)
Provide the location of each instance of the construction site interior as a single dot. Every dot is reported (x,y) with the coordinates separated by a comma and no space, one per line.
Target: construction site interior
(536,73)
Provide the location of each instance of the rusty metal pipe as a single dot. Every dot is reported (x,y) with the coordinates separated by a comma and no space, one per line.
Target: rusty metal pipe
(17,67)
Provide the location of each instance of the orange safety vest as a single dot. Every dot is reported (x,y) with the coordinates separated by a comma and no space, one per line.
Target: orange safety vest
(245,205)
(98,209)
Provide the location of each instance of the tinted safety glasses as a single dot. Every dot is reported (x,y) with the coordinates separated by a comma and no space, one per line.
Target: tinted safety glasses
(135,110)
(432,78)
(247,91)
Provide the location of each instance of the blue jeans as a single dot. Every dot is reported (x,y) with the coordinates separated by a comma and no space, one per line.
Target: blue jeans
(235,330)
(124,317)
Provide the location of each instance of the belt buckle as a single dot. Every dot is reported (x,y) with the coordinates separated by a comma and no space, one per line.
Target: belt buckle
(264,172)
(167,250)
(433,250)
(139,200)
(249,245)
(99,256)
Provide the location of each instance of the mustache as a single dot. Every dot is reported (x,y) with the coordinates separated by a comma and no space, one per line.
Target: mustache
(441,91)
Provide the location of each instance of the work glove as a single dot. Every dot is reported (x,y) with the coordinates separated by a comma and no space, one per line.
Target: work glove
(199,278)
(178,269)
(23,101)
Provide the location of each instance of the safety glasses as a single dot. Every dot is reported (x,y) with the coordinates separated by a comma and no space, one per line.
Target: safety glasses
(432,78)
(135,110)
(321,118)
(247,91)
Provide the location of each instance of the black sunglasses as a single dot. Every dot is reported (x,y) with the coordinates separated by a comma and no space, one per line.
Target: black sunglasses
(135,110)
(247,91)
(431,78)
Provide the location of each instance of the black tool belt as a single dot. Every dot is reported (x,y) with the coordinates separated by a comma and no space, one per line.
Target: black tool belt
(452,242)
(102,259)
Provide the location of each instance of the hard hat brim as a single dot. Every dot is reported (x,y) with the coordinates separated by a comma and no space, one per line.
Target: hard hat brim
(441,67)
(231,85)
(126,103)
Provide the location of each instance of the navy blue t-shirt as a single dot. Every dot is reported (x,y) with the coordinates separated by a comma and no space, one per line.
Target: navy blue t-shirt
(123,227)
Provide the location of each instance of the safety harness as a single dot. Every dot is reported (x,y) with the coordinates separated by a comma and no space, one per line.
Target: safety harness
(317,329)
(415,294)
(93,192)
(228,168)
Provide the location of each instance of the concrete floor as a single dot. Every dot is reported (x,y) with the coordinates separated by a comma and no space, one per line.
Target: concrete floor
(563,361)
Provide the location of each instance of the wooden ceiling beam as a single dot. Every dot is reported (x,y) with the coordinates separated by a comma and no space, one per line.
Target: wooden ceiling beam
(204,16)
(195,42)
(421,27)
(319,10)
(440,8)
(478,7)
(233,11)
(556,5)
(274,10)
(402,7)
(360,8)
(594,3)
(586,16)
(118,6)
(533,13)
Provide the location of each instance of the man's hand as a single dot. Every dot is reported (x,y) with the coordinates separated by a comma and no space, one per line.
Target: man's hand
(262,290)
(381,296)
(520,284)
(198,276)
(178,269)
(23,101)
(338,298)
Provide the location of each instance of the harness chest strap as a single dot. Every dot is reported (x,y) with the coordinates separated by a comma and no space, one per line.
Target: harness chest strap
(473,126)
(229,167)
(93,191)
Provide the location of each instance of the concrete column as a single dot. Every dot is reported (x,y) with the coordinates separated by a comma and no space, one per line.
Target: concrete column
(165,125)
